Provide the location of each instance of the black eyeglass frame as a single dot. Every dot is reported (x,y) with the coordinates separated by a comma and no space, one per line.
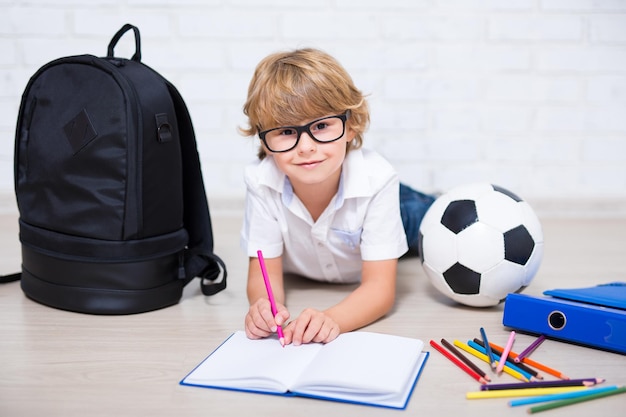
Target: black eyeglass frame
(307,128)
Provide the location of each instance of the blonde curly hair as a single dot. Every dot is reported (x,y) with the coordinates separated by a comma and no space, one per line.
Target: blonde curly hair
(288,88)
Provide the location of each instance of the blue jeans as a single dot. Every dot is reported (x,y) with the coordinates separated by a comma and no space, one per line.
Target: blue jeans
(413,207)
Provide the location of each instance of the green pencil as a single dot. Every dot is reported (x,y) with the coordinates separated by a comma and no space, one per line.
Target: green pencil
(563,403)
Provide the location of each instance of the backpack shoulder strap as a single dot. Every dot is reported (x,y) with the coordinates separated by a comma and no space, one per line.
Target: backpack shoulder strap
(200,261)
(10,278)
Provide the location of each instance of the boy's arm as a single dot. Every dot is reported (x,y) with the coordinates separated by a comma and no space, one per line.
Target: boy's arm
(369,301)
(256,286)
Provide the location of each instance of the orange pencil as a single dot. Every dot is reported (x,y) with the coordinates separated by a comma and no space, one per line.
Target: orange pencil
(534,364)
(458,363)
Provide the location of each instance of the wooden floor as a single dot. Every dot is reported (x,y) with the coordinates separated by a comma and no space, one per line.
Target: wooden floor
(57,363)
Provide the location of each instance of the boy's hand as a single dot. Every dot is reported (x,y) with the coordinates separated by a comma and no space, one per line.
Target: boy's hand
(260,322)
(311,326)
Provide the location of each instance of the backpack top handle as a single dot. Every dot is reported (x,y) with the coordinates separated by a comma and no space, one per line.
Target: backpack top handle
(137,56)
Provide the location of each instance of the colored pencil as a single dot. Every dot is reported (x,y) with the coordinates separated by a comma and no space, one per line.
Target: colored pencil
(270,295)
(534,345)
(509,359)
(492,361)
(562,396)
(458,363)
(507,364)
(563,403)
(484,358)
(582,382)
(505,352)
(526,392)
(534,364)
(465,359)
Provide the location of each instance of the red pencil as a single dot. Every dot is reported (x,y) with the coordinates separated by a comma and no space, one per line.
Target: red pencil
(458,363)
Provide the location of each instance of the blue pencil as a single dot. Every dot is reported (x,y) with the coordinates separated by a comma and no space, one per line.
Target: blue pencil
(562,396)
(492,360)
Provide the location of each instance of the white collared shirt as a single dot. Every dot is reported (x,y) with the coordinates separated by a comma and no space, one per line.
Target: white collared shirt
(362,221)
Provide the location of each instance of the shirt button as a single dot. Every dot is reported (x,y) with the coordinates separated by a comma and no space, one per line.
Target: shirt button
(328,266)
(320,244)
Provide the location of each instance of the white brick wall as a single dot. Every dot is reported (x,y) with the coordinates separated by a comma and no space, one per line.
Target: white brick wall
(529,94)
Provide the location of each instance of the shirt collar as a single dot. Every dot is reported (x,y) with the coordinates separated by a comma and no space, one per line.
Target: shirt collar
(355,175)
(269,174)
(272,177)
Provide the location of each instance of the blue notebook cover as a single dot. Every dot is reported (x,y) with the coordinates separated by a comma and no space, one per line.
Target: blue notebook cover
(612,294)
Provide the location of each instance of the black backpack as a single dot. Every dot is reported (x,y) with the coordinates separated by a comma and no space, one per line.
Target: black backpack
(114,217)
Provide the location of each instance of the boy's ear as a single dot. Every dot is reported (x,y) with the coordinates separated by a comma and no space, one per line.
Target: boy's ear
(350,133)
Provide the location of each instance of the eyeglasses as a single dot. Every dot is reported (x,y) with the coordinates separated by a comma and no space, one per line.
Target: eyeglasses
(324,130)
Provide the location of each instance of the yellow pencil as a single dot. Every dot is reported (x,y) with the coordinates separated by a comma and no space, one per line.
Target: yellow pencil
(484,358)
(524,392)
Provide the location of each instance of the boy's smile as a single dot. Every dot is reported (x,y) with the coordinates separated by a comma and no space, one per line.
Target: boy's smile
(310,164)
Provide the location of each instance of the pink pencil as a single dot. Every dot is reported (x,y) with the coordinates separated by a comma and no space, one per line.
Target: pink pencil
(505,353)
(270,295)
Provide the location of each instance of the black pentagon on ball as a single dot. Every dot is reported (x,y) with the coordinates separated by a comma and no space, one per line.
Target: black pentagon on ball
(518,245)
(462,280)
(459,215)
(506,192)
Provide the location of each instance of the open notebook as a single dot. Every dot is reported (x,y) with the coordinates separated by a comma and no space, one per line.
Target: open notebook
(357,367)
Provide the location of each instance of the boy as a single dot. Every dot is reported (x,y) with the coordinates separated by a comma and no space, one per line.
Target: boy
(318,205)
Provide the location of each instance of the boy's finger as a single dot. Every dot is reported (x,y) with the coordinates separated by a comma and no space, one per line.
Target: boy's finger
(281,317)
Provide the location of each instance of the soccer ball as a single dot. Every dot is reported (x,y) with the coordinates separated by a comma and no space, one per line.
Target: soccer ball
(479,242)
